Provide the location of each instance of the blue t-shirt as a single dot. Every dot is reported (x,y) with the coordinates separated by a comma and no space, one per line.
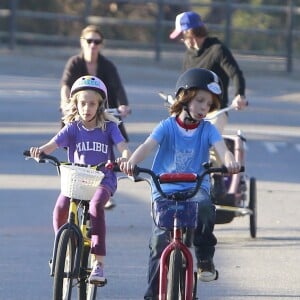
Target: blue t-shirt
(182,151)
(91,147)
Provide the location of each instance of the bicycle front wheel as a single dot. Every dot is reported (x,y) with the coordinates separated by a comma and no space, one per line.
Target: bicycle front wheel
(176,277)
(253,207)
(87,291)
(64,266)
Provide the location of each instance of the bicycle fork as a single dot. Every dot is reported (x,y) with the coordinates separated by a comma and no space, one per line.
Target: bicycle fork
(189,273)
(70,225)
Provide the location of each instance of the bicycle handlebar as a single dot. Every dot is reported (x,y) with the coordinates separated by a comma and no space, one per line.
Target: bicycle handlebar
(46,158)
(43,158)
(157,179)
(181,177)
(113,111)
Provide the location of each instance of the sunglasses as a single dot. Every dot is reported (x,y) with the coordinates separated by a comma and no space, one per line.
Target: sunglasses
(96,42)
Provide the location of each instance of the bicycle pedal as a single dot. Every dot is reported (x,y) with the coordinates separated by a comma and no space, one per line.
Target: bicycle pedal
(99,284)
(50,263)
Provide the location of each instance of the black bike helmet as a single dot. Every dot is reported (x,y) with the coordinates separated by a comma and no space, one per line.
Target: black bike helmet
(200,79)
(89,83)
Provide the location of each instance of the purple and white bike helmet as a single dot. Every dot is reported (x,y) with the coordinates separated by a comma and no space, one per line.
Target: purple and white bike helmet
(89,83)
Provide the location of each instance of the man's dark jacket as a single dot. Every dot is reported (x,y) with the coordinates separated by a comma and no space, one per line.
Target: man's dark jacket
(216,57)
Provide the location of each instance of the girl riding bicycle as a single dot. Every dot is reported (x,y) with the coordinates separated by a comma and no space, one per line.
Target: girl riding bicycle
(89,135)
(183,142)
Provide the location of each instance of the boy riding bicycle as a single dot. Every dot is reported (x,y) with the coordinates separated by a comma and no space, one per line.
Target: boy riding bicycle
(183,142)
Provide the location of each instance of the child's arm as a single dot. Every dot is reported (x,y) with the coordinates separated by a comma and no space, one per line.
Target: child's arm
(138,155)
(227,157)
(46,148)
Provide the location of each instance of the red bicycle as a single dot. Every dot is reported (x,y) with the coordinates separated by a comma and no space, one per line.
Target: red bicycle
(177,279)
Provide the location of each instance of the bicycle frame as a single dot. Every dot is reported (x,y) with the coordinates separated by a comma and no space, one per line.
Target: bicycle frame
(80,233)
(176,243)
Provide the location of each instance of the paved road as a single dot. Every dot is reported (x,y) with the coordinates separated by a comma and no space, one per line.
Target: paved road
(264,268)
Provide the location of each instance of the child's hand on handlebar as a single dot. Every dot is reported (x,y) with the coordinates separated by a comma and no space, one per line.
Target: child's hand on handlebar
(239,102)
(124,110)
(35,152)
(127,167)
(121,160)
(233,167)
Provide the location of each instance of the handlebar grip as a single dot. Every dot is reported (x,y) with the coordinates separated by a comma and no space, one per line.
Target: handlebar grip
(41,157)
(136,171)
(224,169)
(26,153)
(116,168)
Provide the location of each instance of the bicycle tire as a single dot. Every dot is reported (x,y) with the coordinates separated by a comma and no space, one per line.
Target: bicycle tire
(64,266)
(253,207)
(87,291)
(195,281)
(176,286)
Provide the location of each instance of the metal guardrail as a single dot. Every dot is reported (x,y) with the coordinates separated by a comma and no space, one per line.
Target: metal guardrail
(14,35)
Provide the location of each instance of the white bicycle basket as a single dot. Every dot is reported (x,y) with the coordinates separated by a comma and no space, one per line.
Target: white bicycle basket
(79,182)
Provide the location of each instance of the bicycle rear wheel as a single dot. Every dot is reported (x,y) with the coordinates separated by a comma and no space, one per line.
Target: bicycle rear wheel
(176,276)
(87,291)
(253,207)
(64,266)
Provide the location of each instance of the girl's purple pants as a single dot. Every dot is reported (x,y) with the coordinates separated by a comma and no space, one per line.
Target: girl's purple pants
(97,217)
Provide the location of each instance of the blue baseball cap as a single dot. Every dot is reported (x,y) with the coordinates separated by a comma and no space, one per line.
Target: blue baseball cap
(186,21)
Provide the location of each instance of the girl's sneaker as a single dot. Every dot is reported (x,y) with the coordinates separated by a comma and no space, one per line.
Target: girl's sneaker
(110,203)
(97,274)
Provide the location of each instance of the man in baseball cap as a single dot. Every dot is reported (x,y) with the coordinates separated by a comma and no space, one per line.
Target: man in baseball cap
(204,51)
(185,21)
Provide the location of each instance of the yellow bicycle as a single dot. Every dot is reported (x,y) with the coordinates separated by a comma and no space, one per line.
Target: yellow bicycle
(71,262)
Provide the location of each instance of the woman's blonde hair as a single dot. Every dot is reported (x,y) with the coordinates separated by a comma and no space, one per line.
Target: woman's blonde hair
(91,28)
(185,96)
(102,117)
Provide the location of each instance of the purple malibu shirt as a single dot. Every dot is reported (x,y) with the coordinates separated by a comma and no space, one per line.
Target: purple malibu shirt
(91,146)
